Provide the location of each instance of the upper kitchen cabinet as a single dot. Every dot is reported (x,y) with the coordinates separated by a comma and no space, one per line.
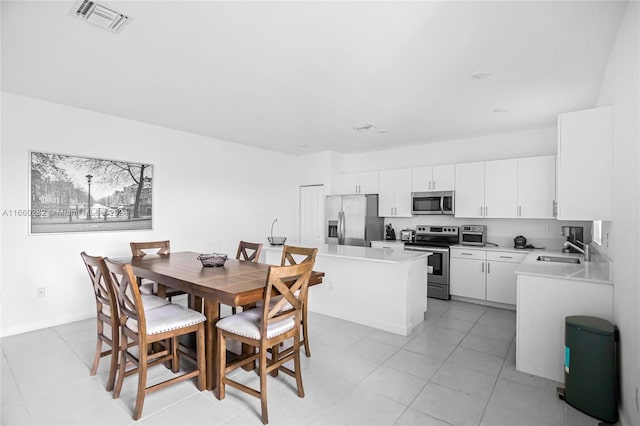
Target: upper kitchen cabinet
(487,189)
(537,187)
(501,188)
(469,196)
(585,153)
(395,193)
(358,183)
(433,178)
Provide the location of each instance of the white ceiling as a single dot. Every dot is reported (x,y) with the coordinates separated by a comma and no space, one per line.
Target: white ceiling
(280,75)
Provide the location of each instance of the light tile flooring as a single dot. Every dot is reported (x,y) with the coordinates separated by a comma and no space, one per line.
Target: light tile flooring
(458,368)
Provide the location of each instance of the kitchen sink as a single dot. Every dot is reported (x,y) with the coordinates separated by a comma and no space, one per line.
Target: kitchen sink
(558,259)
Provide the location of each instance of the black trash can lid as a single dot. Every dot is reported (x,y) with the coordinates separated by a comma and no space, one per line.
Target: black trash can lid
(591,324)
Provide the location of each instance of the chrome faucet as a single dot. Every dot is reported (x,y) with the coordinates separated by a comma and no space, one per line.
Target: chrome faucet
(586,250)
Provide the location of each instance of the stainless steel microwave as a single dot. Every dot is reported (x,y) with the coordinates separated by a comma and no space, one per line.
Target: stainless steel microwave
(432,202)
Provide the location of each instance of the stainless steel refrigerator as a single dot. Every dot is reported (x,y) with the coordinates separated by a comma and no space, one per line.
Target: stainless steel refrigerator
(353,220)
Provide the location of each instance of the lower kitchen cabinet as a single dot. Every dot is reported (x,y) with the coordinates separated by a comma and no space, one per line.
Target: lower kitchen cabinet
(484,274)
(467,278)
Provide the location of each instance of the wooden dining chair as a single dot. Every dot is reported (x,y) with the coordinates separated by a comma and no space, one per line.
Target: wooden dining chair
(249,251)
(265,327)
(139,328)
(153,247)
(292,256)
(107,314)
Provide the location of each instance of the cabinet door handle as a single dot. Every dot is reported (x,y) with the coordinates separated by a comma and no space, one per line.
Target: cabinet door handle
(482,266)
(488,268)
(429,184)
(506,257)
(480,210)
(555,208)
(467,254)
(486,211)
(519,211)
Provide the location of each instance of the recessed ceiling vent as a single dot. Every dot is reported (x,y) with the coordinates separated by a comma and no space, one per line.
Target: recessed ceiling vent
(101,16)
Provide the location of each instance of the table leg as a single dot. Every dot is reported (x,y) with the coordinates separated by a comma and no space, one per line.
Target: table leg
(212,312)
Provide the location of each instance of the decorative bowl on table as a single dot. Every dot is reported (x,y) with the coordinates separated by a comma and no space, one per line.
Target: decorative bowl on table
(276,241)
(213,259)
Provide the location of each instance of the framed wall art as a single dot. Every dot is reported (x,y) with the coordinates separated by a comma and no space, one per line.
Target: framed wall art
(79,194)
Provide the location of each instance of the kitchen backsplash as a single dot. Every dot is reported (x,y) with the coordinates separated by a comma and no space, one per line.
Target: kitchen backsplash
(538,232)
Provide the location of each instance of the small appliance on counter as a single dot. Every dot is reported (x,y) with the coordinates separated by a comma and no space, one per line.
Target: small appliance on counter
(407,235)
(473,235)
(520,242)
(389,233)
(574,235)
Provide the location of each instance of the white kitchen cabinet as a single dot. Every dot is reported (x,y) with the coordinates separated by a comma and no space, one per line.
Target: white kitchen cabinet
(584,166)
(394,193)
(484,275)
(501,278)
(359,183)
(433,178)
(467,278)
(501,188)
(469,196)
(537,187)
(467,273)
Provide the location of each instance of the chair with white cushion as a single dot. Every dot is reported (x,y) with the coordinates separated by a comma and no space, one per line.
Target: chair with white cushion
(295,255)
(264,328)
(107,314)
(139,328)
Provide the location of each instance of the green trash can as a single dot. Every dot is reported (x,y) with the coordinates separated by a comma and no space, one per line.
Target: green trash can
(590,367)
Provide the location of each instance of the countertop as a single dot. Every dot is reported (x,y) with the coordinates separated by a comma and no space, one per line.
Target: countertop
(353,252)
(596,271)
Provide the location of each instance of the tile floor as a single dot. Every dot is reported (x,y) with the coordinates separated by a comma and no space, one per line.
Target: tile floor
(458,368)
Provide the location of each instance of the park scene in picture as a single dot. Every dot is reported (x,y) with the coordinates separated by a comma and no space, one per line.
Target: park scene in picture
(77,194)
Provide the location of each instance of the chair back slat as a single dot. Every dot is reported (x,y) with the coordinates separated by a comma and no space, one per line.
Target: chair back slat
(279,284)
(150,247)
(129,299)
(102,288)
(294,255)
(249,251)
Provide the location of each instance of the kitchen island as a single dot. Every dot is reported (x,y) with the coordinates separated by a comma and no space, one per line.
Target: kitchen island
(547,292)
(380,288)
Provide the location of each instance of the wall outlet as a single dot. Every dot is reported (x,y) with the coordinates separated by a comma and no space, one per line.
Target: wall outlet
(42,291)
(606,238)
(547,228)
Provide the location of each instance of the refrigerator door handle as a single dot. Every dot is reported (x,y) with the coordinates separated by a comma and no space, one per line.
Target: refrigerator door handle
(341,229)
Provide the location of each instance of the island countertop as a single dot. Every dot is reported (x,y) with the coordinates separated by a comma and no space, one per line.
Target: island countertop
(355,252)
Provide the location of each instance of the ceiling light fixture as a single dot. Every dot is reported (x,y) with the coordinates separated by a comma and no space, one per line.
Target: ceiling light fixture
(101,16)
(480,75)
(369,128)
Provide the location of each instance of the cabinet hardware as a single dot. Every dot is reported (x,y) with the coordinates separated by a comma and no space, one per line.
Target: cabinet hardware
(519,211)
(486,211)
(488,268)
(506,257)
(429,184)
(482,266)
(555,208)
(480,210)
(467,254)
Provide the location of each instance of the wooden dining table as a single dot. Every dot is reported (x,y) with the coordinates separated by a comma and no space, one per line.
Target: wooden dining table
(237,283)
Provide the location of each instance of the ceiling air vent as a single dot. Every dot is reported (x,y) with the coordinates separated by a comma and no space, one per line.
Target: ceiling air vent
(101,16)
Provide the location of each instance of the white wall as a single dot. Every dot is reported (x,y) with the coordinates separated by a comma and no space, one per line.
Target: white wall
(527,143)
(207,195)
(621,88)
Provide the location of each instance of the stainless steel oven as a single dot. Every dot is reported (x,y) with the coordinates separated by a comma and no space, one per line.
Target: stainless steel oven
(437,240)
